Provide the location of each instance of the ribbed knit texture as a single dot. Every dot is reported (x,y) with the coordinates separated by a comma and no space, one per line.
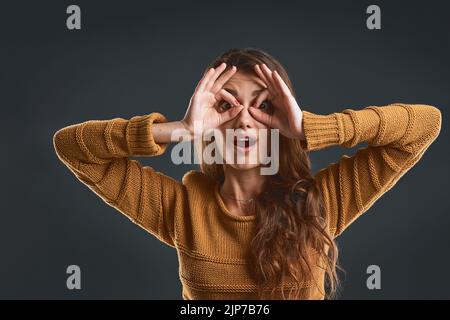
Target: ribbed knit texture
(213,244)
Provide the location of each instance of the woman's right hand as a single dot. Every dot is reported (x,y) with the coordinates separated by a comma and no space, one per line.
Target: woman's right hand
(203,112)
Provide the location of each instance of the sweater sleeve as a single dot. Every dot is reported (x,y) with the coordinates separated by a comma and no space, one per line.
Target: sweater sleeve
(397,136)
(98,151)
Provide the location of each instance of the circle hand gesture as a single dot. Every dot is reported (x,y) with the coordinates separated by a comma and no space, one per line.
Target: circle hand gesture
(287,115)
(202,113)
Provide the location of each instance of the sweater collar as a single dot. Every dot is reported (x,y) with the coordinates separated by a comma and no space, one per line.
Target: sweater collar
(225,210)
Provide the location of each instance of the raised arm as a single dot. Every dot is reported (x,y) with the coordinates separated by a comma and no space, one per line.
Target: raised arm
(98,152)
(397,136)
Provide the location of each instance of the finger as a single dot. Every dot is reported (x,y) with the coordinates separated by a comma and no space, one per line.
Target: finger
(261,97)
(262,76)
(260,116)
(230,113)
(268,83)
(268,73)
(223,79)
(225,95)
(215,75)
(202,83)
(282,86)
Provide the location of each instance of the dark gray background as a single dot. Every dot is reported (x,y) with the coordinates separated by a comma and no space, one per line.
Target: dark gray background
(135,57)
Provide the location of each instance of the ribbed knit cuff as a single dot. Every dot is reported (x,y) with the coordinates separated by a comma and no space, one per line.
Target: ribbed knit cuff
(140,137)
(322,131)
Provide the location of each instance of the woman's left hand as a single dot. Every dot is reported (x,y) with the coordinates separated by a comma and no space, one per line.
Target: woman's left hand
(286,114)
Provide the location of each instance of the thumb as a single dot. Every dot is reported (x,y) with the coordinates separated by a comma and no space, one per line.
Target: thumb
(260,116)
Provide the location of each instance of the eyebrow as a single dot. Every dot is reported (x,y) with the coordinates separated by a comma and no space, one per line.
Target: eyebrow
(255,93)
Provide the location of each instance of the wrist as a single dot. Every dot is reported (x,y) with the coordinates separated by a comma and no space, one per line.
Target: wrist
(189,128)
(300,132)
(301,136)
(195,130)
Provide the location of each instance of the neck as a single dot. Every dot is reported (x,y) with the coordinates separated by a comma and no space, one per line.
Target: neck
(243,184)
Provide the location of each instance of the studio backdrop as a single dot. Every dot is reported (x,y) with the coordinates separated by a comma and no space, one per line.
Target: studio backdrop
(68,62)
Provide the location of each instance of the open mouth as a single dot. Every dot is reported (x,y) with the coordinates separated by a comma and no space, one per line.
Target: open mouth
(245,143)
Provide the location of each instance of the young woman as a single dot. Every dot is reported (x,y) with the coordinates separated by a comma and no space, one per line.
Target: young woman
(240,234)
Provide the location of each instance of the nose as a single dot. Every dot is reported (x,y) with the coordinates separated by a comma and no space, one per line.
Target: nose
(244,119)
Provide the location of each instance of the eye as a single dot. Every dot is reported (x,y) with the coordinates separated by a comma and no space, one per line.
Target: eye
(266,106)
(224,106)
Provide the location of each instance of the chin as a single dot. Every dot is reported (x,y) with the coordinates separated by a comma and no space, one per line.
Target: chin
(244,166)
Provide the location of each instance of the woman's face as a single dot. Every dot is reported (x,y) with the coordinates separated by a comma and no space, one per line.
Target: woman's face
(246,142)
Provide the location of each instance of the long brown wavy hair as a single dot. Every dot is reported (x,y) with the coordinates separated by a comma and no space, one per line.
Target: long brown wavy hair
(292,237)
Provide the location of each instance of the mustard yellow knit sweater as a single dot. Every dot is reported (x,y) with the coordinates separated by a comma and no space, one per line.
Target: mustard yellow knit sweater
(190,216)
